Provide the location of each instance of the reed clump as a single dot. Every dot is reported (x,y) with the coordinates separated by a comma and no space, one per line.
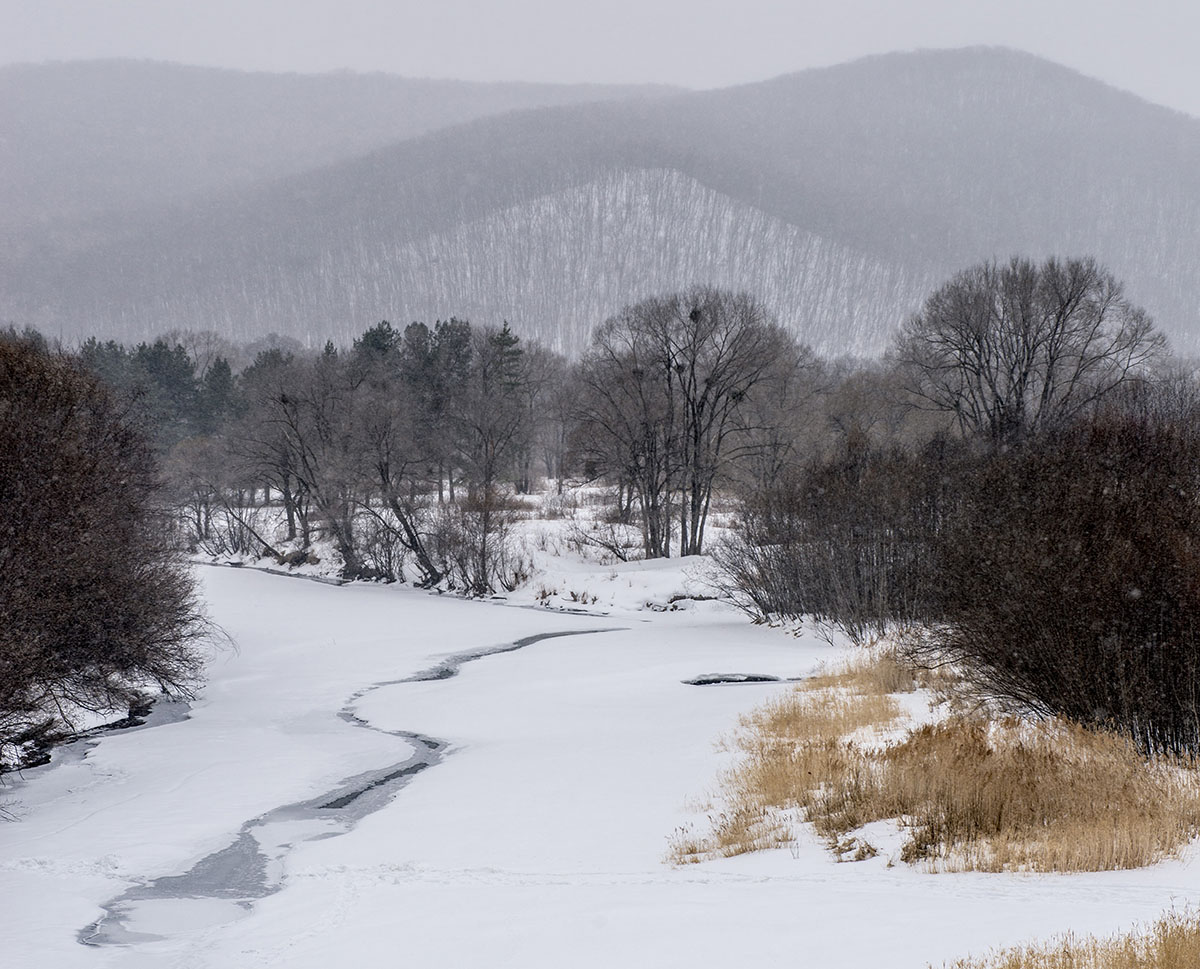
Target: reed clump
(968,793)
(1173,942)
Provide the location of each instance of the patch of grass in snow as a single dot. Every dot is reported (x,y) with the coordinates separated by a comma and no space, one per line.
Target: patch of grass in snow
(869,674)
(970,794)
(1016,795)
(1173,942)
(791,736)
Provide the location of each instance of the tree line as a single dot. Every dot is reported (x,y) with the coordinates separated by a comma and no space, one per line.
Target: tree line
(404,449)
(1044,539)
(1013,485)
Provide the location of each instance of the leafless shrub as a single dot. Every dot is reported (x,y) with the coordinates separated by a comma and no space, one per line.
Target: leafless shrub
(1067,580)
(1056,572)
(558,506)
(614,542)
(845,541)
(383,555)
(95,604)
(235,527)
(476,548)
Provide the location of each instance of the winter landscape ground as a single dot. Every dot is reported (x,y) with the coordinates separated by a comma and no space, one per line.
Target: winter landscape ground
(360,436)
(362,784)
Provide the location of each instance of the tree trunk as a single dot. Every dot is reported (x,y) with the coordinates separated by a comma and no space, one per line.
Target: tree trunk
(411,539)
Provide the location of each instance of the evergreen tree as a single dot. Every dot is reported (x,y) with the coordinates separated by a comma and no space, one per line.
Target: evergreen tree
(217,398)
(380,343)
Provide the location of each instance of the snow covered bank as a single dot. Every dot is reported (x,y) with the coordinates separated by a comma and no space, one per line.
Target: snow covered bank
(538,837)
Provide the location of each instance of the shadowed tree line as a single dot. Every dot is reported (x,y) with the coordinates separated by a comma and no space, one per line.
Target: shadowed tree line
(1045,539)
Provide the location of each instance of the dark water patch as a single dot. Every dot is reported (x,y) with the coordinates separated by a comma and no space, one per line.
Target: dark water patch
(251,867)
(347,799)
(718,679)
(74,747)
(451,665)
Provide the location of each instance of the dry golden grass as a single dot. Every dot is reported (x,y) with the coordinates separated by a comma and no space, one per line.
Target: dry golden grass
(1010,795)
(970,795)
(873,673)
(793,735)
(1171,943)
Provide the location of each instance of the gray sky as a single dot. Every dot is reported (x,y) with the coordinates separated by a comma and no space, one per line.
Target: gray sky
(1147,47)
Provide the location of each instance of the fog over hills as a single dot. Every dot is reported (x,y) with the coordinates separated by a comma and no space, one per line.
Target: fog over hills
(88,137)
(839,195)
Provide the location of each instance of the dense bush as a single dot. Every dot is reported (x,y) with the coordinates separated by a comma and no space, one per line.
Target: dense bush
(1070,579)
(846,540)
(1061,573)
(94,604)
(1049,547)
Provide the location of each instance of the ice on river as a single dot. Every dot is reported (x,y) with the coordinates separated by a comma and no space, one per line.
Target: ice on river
(533,834)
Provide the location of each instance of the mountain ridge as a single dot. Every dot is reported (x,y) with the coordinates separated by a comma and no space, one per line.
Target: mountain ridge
(911,164)
(181,129)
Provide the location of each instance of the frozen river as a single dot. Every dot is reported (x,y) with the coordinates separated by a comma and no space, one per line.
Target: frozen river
(378,777)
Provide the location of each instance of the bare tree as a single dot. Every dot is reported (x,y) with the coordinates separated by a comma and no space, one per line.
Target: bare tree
(545,427)
(260,445)
(668,382)
(316,415)
(398,453)
(781,422)
(557,420)
(629,422)
(204,347)
(1022,347)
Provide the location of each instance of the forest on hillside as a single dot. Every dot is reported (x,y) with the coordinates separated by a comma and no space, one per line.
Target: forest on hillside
(840,197)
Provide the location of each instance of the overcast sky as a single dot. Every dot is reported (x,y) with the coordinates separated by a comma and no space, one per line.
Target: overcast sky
(1147,47)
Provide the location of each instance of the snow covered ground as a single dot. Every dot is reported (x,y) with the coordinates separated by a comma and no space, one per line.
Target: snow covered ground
(268,828)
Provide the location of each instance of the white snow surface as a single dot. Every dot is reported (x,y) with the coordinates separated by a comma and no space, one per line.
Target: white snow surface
(539,839)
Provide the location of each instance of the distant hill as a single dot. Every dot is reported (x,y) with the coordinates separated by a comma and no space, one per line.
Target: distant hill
(83,138)
(840,195)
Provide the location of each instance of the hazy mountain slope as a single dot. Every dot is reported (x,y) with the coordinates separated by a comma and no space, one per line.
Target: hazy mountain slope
(82,138)
(555,264)
(628,235)
(946,155)
(873,180)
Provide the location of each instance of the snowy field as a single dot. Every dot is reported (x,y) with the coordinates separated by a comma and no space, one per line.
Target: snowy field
(355,788)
